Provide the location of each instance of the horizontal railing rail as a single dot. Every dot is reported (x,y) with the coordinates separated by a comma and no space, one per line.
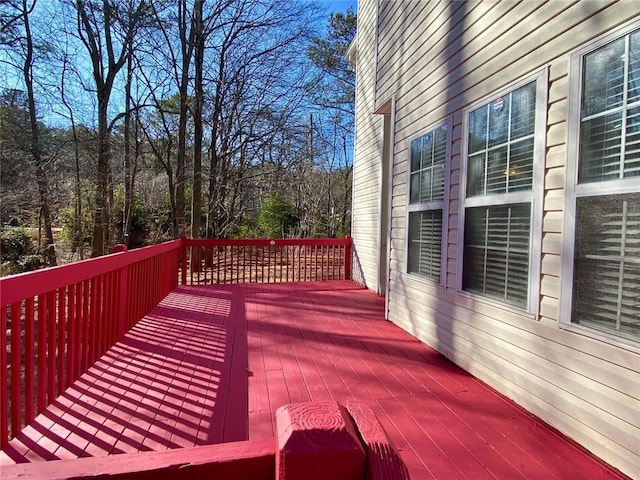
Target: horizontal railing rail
(208,261)
(56,322)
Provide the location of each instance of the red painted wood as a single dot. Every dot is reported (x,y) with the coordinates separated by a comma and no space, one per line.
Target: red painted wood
(16,364)
(76,347)
(180,370)
(51,346)
(29,358)
(18,287)
(316,441)
(383,460)
(266,260)
(122,301)
(62,314)
(71,309)
(94,329)
(78,318)
(4,373)
(183,261)
(252,460)
(42,353)
(347,259)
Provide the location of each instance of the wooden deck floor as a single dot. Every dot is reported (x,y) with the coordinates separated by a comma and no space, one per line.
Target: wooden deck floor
(211,364)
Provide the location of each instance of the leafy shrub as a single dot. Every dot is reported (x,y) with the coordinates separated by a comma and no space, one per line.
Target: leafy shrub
(15,244)
(18,253)
(276,217)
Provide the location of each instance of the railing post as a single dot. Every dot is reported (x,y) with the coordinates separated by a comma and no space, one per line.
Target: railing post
(183,249)
(347,258)
(123,308)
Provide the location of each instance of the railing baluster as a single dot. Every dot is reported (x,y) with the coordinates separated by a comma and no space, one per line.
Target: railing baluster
(95,327)
(16,367)
(29,354)
(61,294)
(79,329)
(51,341)
(42,352)
(70,333)
(67,326)
(244,264)
(4,373)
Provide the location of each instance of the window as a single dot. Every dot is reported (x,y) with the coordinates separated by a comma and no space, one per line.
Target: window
(602,271)
(429,154)
(502,185)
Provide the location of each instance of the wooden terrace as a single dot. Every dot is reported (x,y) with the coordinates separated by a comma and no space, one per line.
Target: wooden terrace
(209,363)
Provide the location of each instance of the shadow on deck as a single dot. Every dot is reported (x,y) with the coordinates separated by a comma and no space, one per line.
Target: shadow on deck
(211,364)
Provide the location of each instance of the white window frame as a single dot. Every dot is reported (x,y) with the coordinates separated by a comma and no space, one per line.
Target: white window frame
(573,190)
(534,196)
(429,206)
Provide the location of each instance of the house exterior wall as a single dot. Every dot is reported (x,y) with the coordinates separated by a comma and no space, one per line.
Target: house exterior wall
(367,171)
(438,59)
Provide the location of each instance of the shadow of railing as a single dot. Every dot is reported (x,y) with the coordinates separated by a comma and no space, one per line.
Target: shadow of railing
(178,378)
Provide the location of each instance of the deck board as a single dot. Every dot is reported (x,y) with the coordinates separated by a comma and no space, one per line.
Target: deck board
(211,364)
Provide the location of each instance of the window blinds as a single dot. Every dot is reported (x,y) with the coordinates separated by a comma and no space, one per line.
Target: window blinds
(607,273)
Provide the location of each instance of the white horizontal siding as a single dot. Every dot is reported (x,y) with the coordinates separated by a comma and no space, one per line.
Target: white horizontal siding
(438,58)
(366,172)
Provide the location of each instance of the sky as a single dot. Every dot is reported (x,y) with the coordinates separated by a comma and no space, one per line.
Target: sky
(340,5)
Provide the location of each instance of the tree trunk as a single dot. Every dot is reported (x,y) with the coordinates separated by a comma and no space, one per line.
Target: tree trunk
(101,212)
(41,176)
(128,183)
(197,119)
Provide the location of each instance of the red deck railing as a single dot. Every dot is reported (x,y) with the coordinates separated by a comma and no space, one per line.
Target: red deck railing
(55,323)
(265,260)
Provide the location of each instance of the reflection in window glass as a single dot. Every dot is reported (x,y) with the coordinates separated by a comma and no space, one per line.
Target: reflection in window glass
(426,201)
(504,163)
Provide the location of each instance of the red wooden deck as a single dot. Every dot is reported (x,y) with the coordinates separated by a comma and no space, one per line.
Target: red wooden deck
(211,364)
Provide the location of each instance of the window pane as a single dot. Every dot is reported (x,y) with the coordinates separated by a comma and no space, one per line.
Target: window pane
(603,79)
(475,175)
(607,264)
(600,147)
(497,171)
(523,111)
(425,185)
(496,252)
(509,150)
(499,121)
(428,156)
(632,144)
(414,194)
(478,129)
(634,67)
(416,154)
(425,244)
(521,166)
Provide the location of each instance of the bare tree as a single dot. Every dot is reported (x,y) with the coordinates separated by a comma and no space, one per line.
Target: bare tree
(104,29)
(35,146)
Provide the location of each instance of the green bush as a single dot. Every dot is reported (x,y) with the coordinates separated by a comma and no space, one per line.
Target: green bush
(277,217)
(18,253)
(15,244)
